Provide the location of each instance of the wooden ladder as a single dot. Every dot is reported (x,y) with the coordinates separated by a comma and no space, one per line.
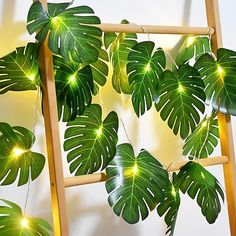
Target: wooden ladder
(57,180)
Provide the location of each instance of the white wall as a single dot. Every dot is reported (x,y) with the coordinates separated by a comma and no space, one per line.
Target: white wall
(88,210)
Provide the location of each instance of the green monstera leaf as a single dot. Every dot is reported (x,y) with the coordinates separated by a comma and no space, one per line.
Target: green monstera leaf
(144,69)
(202,185)
(13,222)
(70,33)
(16,156)
(19,69)
(169,205)
(135,184)
(220,78)
(181,97)
(74,87)
(90,141)
(192,47)
(201,143)
(120,46)
(100,70)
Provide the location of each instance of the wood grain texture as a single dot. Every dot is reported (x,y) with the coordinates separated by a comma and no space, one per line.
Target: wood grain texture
(53,140)
(225,127)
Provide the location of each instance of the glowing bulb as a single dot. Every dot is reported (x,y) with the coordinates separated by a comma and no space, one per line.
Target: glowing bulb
(220,70)
(203,176)
(173,191)
(16,152)
(99,131)
(31,77)
(190,41)
(181,88)
(72,79)
(135,169)
(24,223)
(55,20)
(204,124)
(147,67)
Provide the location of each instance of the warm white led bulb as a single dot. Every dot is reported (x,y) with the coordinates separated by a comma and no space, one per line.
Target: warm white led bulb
(72,79)
(16,151)
(147,67)
(99,131)
(181,88)
(24,223)
(190,41)
(135,169)
(173,191)
(204,124)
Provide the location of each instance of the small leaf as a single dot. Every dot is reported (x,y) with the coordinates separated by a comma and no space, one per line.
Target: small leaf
(144,70)
(135,184)
(74,87)
(220,79)
(13,222)
(201,143)
(71,31)
(90,141)
(169,205)
(120,46)
(192,47)
(100,70)
(181,98)
(16,157)
(202,185)
(19,69)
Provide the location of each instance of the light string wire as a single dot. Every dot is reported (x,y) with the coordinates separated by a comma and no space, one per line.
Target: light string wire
(33,131)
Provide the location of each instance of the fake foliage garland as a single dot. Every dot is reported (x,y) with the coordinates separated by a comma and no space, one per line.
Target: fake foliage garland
(137,183)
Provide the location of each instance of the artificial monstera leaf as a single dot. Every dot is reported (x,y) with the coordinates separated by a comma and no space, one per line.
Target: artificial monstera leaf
(90,141)
(169,205)
(181,97)
(69,30)
(100,70)
(120,46)
(144,69)
(201,143)
(19,69)
(74,87)
(192,47)
(13,222)
(202,185)
(220,78)
(16,156)
(135,184)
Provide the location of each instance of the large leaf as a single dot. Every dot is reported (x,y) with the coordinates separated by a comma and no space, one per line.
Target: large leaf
(120,46)
(16,157)
(202,185)
(19,69)
(201,143)
(169,205)
(74,86)
(90,141)
(220,79)
(69,31)
(13,222)
(192,47)
(144,69)
(135,184)
(181,98)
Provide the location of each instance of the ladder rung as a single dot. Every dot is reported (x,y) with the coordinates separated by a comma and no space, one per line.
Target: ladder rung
(155,29)
(101,177)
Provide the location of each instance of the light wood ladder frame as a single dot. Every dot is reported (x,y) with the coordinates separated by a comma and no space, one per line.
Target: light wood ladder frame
(57,181)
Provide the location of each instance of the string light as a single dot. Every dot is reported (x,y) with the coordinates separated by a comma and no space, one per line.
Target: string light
(132,171)
(190,41)
(55,20)
(135,169)
(99,131)
(16,151)
(203,176)
(220,70)
(31,77)
(204,124)
(72,79)
(24,223)
(147,67)
(181,88)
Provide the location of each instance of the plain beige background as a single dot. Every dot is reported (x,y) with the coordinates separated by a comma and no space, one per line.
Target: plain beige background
(88,210)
